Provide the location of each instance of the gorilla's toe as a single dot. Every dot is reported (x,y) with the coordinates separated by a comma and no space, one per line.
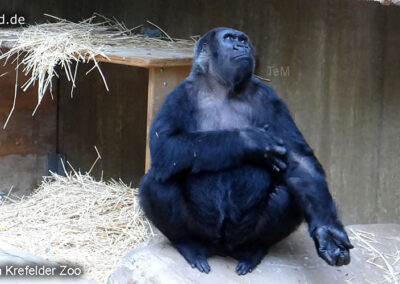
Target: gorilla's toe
(202,265)
(244,267)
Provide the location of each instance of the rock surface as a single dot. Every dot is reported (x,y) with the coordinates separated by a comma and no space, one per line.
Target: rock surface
(376,257)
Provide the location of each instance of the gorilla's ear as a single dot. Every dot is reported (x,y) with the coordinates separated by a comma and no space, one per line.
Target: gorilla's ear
(201,57)
(201,46)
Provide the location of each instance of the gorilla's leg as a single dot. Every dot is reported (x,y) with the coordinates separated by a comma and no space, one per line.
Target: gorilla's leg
(249,258)
(278,218)
(195,254)
(164,205)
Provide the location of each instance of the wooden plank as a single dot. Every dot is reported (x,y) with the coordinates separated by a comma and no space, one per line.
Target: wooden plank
(161,82)
(27,139)
(145,62)
(139,57)
(114,121)
(25,134)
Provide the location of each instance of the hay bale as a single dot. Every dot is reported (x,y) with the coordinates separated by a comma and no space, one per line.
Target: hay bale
(77,220)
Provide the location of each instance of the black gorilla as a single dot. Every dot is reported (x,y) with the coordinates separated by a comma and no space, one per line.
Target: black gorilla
(231,174)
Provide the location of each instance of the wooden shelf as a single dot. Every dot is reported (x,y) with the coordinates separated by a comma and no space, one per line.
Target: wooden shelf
(142,57)
(147,58)
(167,68)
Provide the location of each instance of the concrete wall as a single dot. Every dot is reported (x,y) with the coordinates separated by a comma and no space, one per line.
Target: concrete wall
(343,82)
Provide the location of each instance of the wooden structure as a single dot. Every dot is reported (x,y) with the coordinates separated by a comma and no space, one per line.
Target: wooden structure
(27,141)
(167,68)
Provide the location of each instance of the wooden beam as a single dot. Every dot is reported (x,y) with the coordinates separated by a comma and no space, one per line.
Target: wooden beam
(161,82)
(139,57)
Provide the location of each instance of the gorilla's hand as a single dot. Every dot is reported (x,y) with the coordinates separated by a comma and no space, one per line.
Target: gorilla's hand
(263,147)
(332,244)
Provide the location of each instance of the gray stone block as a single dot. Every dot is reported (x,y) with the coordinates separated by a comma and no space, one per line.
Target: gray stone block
(293,260)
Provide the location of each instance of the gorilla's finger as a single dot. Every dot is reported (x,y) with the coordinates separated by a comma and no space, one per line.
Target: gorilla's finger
(279,150)
(278,140)
(340,259)
(346,257)
(341,238)
(281,164)
(347,244)
(335,254)
(275,168)
(324,254)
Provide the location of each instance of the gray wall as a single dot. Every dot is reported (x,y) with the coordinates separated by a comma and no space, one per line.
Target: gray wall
(343,86)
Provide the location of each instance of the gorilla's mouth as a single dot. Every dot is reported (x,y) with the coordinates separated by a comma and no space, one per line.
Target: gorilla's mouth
(241,55)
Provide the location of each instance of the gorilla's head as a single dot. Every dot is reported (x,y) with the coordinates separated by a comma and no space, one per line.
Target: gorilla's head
(225,54)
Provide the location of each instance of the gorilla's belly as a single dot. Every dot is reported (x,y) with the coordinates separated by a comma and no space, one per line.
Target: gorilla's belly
(236,196)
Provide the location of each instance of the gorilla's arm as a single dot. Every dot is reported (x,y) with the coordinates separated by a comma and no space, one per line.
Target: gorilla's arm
(306,181)
(304,175)
(175,149)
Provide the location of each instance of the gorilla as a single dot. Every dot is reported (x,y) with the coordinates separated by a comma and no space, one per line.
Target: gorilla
(231,174)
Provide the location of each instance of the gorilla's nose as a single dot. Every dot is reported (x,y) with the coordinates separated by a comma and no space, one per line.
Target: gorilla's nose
(239,46)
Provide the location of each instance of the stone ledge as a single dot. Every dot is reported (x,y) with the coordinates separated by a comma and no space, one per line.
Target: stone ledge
(293,260)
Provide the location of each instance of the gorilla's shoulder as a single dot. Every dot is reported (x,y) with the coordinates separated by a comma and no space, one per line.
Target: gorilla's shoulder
(181,93)
(266,91)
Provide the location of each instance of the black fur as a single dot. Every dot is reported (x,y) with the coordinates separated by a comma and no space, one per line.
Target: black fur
(231,173)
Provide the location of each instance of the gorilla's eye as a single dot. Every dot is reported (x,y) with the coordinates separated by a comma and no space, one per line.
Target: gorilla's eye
(228,37)
(242,39)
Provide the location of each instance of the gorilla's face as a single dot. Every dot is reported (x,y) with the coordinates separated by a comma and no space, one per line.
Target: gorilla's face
(232,56)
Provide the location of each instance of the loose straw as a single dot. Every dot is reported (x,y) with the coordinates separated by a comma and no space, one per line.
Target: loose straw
(76,219)
(63,43)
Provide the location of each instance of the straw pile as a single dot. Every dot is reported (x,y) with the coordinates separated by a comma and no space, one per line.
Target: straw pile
(388,263)
(43,47)
(78,220)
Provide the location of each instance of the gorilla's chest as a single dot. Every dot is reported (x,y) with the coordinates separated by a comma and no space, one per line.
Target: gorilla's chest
(215,112)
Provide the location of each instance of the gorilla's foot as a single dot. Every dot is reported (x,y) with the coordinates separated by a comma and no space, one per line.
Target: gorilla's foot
(249,259)
(195,255)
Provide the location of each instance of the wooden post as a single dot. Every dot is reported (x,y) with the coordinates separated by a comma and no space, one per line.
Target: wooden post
(162,80)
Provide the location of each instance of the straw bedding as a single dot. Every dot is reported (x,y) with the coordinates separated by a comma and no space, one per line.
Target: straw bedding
(39,50)
(76,219)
